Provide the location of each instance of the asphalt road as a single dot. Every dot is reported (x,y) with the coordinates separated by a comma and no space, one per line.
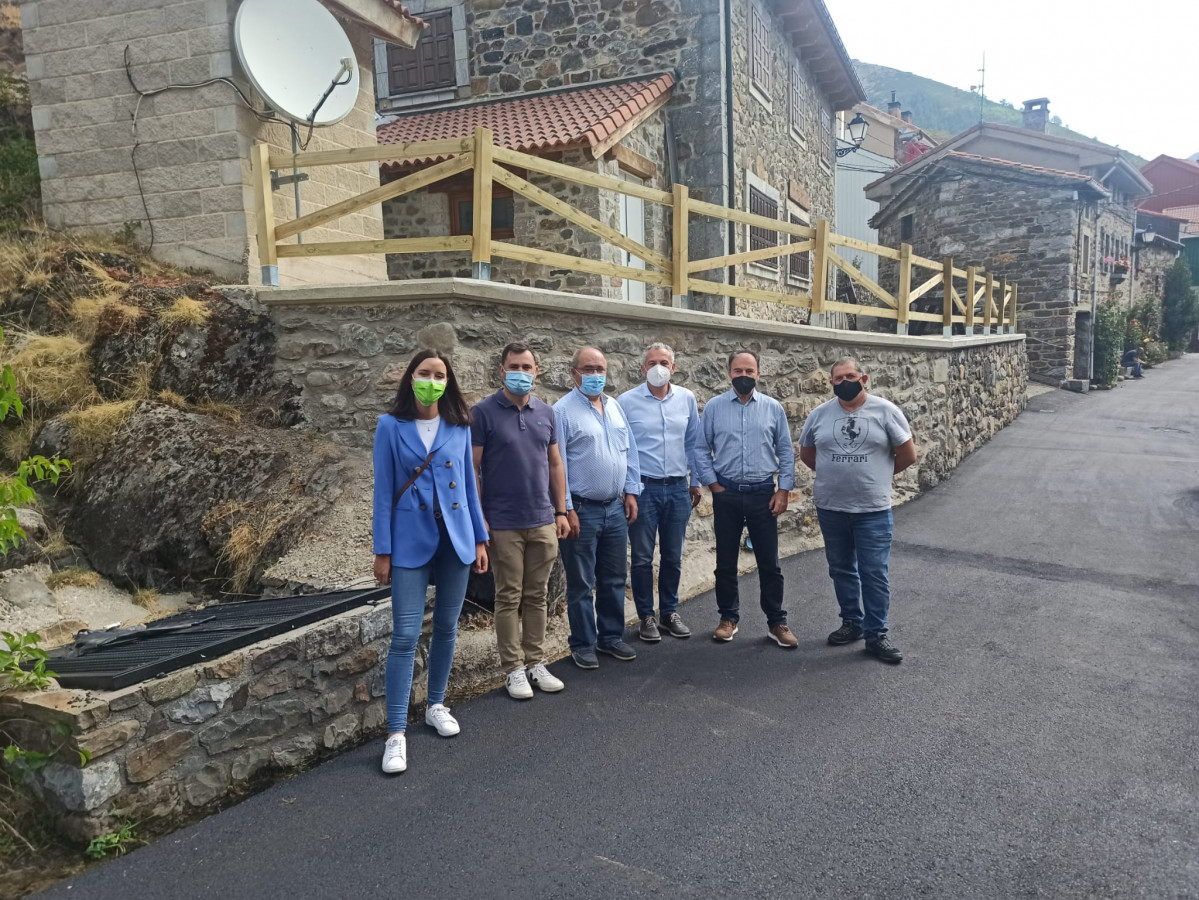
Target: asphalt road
(1040,739)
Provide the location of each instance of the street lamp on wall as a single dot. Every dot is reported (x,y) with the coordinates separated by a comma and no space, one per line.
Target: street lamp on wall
(857,129)
(1148,235)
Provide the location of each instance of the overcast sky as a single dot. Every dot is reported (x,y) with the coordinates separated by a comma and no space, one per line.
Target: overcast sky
(1109,71)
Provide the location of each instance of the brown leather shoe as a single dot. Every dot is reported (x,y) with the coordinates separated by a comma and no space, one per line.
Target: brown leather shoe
(783,637)
(725,631)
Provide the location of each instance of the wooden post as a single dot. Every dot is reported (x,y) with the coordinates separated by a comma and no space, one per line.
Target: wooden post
(819,272)
(971,290)
(264,212)
(680,255)
(903,299)
(1011,319)
(947,305)
(1002,305)
(481,243)
(987,296)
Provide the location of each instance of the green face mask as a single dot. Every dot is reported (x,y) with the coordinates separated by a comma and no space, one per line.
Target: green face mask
(428,392)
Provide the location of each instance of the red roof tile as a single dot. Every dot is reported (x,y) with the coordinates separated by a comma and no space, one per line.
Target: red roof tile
(537,123)
(403,11)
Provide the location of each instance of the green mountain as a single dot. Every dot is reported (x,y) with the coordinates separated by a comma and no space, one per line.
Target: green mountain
(943,110)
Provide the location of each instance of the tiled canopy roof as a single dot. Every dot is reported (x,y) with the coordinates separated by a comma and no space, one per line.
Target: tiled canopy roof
(541,123)
(1024,167)
(403,11)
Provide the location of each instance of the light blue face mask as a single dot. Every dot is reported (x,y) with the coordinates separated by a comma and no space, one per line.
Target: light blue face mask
(593,384)
(519,383)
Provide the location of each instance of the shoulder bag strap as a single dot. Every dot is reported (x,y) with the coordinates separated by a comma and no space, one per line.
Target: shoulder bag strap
(424,465)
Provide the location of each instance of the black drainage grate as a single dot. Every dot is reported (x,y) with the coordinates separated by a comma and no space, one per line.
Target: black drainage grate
(109,660)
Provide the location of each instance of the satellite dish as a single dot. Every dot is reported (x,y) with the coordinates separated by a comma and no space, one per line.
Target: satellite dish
(299,58)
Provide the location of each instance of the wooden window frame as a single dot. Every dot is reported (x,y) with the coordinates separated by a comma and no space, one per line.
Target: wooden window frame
(458,196)
(827,137)
(761,59)
(758,237)
(798,104)
(799,265)
(426,40)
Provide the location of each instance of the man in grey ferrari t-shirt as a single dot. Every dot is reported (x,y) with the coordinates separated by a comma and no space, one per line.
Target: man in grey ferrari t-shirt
(857,443)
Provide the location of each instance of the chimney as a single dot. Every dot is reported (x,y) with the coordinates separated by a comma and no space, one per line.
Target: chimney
(907,116)
(894,106)
(1036,115)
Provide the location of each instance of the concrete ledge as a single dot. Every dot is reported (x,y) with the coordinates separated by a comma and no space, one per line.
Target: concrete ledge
(443,289)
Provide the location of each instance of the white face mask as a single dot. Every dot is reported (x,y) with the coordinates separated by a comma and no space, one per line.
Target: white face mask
(658,376)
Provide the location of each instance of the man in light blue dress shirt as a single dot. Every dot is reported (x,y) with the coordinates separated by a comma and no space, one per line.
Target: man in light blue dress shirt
(665,423)
(602,486)
(746,441)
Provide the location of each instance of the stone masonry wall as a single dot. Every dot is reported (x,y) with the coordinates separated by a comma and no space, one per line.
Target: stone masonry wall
(168,750)
(767,144)
(350,350)
(1024,231)
(531,45)
(194,148)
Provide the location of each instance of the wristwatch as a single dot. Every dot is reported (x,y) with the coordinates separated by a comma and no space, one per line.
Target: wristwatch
(556,514)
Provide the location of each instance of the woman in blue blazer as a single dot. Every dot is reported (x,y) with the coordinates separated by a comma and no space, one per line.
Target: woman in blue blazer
(427,521)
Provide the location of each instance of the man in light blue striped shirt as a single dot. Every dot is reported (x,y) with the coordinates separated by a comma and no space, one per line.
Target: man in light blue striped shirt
(602,485)
(665,422)
(746,441)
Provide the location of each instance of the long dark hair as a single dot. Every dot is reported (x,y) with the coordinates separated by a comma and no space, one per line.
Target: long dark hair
(452,406)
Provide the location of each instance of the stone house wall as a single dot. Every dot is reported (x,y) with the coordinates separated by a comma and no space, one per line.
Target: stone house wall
(1153,263)
(193,157)
(1022,230)
(765,144)
(427,213)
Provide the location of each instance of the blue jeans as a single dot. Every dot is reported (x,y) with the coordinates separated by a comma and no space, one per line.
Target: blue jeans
(662,509)
(408,587)
(595,564)
(858,549)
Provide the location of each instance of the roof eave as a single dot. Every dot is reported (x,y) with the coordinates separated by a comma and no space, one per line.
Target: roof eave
(381,20)
(838,78)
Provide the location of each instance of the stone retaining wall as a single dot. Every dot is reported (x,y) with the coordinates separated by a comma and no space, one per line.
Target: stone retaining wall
(168,750)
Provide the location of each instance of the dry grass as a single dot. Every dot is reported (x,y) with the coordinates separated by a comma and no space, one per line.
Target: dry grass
(72,577)
(87,311)
(170,398)
(16,440)
(146,598)
(54,374)
(257,526)
(219,410)
(56,542)
(185,313)
(37,279)
(93,428)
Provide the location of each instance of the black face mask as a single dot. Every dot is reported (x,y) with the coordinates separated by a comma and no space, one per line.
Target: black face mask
(847,390)
(744,385)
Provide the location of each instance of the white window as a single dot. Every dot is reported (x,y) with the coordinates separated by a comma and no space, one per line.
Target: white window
(632,226)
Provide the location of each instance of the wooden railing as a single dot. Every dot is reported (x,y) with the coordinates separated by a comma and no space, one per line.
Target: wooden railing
(970,297)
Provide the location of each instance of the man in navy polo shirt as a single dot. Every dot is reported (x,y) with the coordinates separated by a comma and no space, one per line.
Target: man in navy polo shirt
(523,490)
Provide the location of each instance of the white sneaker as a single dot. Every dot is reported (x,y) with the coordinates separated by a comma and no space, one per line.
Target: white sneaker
(439,717)
(541,677)
(395,754)
(518,685)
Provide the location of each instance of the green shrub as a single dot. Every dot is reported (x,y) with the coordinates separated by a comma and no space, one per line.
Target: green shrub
(1111,320)
(1180,306)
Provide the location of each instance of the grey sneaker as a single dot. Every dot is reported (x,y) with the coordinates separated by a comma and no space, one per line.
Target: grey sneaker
(585,659)
(673,625)
(619,650)
(648,631)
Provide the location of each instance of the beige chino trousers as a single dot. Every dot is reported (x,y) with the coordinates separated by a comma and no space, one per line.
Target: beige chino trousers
(521,560)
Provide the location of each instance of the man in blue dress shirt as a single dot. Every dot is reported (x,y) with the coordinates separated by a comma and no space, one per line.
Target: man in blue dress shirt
(602,484)
(665,423)
(746,441)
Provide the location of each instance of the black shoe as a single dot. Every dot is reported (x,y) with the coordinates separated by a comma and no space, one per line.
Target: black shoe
(585,659)
(620,650)
(846,634)
(673,625)
(648,631)
(882,648)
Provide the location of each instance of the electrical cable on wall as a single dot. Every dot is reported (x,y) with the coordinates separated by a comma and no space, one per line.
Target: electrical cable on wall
(261,115)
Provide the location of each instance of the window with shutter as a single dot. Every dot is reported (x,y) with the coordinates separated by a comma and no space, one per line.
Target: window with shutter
(826,132)
(759,49)
(428,65)
(799,265)
(799,103)
(762,205)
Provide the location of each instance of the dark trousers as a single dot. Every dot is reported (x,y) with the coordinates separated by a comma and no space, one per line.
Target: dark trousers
(732,513)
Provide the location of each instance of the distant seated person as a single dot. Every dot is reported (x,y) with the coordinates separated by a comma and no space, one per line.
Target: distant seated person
(1132,360)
